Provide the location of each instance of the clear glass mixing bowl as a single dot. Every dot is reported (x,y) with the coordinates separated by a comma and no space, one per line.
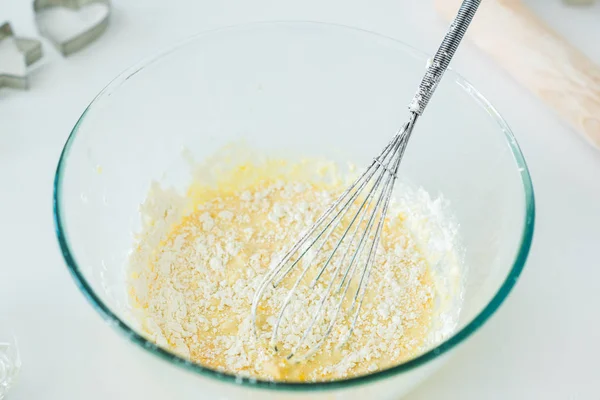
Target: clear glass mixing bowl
(318,90)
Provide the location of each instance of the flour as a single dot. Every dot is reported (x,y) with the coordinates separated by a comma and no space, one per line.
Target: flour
(197,265)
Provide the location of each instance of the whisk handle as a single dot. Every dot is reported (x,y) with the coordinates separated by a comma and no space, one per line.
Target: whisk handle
(442,57)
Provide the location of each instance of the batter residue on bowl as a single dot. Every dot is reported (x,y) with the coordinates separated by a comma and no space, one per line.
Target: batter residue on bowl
(200,258)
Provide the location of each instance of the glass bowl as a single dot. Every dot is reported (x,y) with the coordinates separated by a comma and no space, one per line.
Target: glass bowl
(317,89)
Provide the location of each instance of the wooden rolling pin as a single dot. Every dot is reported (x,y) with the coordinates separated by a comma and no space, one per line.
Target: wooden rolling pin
(539,59)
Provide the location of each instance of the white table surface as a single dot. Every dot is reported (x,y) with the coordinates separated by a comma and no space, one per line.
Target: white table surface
(543,343)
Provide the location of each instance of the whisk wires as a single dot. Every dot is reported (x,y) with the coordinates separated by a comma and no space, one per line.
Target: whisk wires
(342,242)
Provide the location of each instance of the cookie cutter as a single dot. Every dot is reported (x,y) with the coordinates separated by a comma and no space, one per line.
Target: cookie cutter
(82,39)
(31,50)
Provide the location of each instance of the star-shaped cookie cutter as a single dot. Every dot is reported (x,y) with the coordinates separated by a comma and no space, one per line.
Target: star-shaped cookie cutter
(32,52)
(82,39)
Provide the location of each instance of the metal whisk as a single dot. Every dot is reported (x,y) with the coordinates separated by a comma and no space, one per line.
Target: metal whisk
(349,254)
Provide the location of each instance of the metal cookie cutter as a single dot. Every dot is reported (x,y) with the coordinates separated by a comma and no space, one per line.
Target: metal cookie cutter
(32,52)
(82,39)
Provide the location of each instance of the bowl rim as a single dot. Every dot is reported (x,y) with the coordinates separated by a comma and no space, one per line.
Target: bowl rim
(434,353)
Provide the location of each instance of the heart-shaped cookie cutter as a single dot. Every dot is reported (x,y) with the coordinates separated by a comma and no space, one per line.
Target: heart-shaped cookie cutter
(82,39)
(32,52)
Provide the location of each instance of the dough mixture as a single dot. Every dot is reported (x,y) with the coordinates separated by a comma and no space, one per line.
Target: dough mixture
(200,258)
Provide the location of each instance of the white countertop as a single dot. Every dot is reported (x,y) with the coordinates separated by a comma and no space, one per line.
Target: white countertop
(544,342)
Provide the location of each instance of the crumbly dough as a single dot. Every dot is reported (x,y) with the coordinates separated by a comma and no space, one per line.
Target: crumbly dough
(194,272)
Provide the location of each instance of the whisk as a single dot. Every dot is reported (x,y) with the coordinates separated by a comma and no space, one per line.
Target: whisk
(357,219)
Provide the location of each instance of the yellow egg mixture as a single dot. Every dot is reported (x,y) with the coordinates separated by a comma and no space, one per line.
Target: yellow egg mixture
(198,263)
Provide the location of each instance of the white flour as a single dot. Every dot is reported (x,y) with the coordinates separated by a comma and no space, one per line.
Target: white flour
(183,293)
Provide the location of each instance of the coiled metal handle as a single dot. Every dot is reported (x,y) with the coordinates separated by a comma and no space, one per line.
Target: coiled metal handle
(442,57)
